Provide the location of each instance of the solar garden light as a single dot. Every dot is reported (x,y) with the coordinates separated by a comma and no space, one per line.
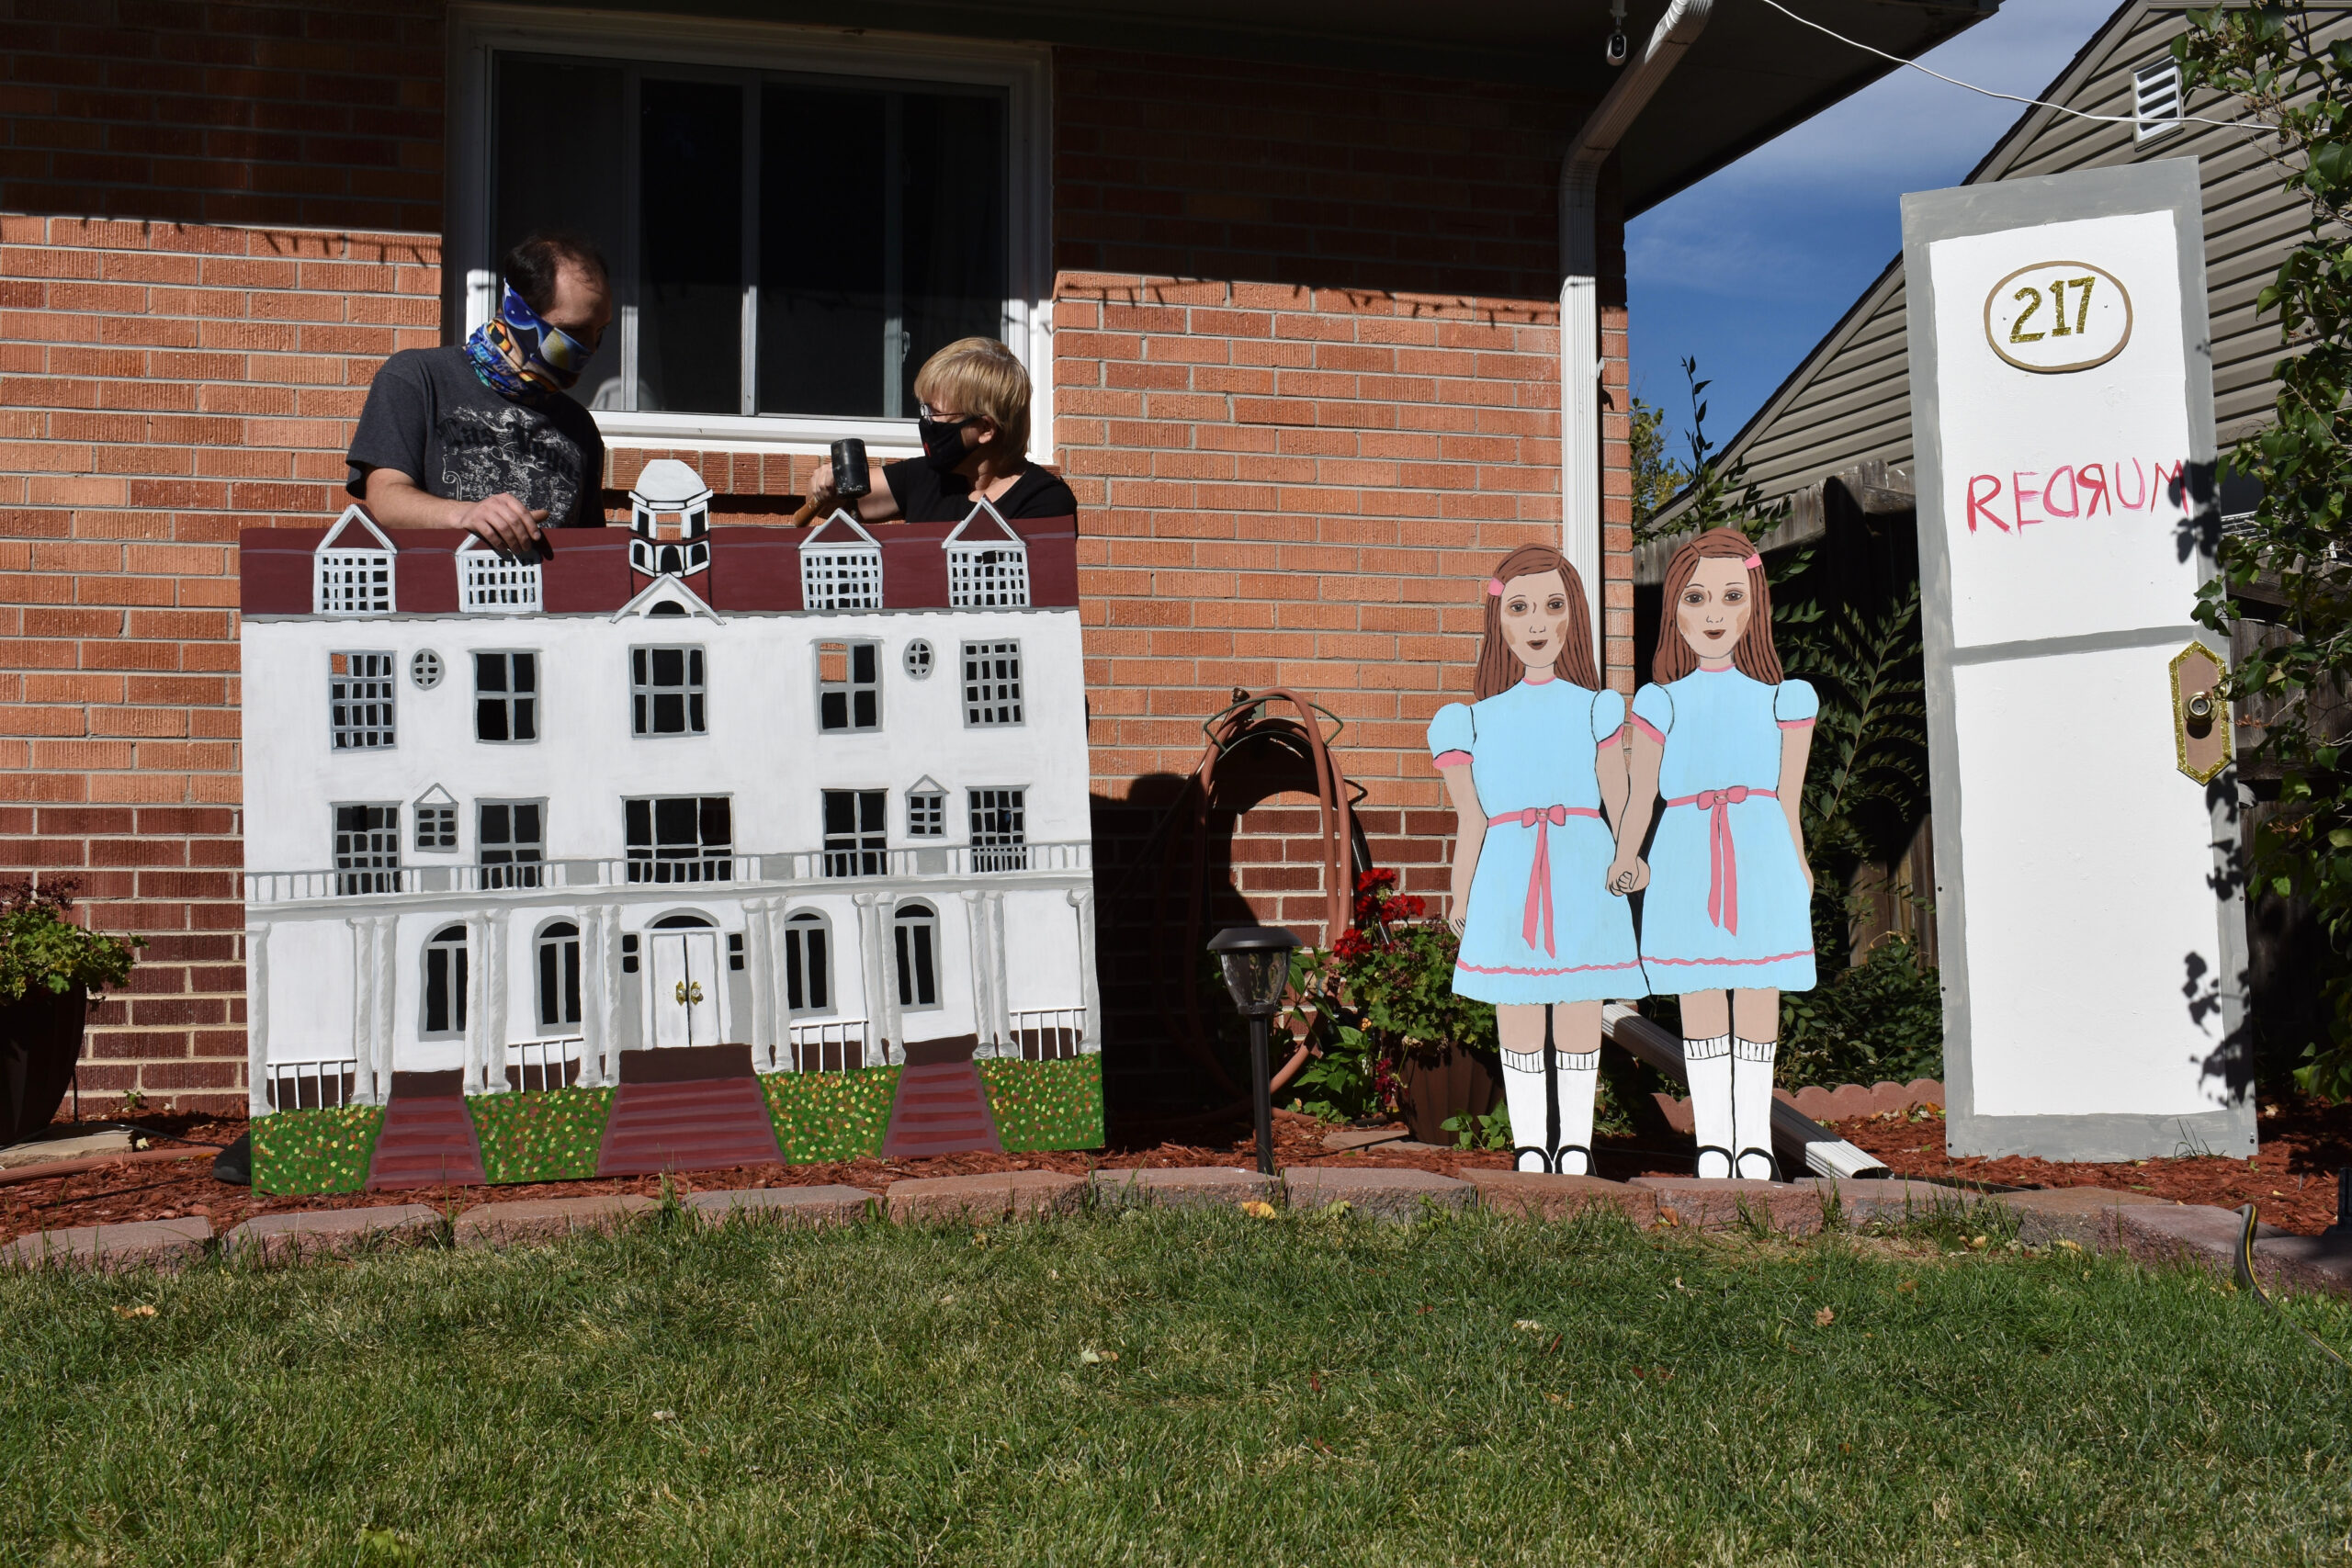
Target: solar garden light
(1256,960)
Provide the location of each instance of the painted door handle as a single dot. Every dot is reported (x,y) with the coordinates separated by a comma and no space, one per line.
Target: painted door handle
(693,993)
(681,993)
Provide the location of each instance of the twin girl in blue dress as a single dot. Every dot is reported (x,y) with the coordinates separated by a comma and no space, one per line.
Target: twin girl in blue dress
(1554,797)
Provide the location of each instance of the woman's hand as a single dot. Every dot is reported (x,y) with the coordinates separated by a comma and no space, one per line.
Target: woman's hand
(1628,874)
(820,493)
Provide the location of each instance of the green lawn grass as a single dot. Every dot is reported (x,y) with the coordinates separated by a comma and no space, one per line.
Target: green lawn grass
(1301,1391)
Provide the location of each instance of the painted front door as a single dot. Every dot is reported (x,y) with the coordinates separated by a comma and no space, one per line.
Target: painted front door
(686,988)
(2091,931)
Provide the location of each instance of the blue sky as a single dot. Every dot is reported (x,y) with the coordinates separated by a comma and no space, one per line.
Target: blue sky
(1747,269)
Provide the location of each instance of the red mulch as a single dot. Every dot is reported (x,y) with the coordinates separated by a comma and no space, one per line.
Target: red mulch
(2293,1178)
(120,1194)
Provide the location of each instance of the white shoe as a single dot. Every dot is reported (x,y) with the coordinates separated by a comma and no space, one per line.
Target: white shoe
(1524,1092)
(1751,1101)
(1706,1068)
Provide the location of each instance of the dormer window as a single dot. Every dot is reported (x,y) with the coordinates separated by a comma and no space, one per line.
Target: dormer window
(668,521)
(988,563)
(841,566)
(491,583)
(354,574)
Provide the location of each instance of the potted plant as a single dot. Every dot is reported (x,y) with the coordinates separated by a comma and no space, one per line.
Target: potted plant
(48,966)
(1390,1036)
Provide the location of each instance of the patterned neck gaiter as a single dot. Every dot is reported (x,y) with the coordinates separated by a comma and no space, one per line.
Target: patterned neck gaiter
(519,355)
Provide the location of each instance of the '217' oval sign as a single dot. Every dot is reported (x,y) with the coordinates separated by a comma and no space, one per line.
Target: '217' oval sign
(2057,316)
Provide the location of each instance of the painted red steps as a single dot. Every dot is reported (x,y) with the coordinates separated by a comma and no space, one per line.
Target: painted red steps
(700,1124)
(426,1141)
(941,1108)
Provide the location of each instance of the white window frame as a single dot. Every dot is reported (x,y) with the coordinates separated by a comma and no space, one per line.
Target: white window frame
(991,574)
(491,583)
(799,927)
(1023,71)
(343,576)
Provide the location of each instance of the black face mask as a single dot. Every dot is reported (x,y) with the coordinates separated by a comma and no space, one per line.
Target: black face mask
(943,443)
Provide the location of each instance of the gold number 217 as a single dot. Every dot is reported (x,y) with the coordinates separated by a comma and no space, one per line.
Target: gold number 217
(2058,287)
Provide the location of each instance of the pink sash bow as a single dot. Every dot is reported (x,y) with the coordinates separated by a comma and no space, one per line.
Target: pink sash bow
(1723,859)
(1542,819)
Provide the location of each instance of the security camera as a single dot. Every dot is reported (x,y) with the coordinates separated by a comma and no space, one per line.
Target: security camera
(1618,48)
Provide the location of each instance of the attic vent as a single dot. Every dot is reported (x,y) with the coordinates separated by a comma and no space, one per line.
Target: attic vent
(2156,99)
(489,583)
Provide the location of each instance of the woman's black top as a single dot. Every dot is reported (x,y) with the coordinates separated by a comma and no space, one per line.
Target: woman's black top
(925,495)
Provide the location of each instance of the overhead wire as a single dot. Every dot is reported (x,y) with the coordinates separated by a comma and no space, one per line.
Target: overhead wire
(2006,97)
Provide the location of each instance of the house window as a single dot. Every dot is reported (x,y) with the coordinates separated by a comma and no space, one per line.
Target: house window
(489,583)
(855,837)
(918,660)
(445,983)
(808,971)
(437,826)
(680,837)
(559,976)
(735,951)
(849,686)
(999,830)
(367,850)
(991,684)
(926,813)
(424,669)
(512,840)
(728,308)
(353,582)
(628,953)
(2156,99)
(506,696)
(987,569)
(359,701)
(917,929)
(666,690)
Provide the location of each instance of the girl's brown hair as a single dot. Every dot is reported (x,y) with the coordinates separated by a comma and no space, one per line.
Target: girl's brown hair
(1498,667)
(1753,656)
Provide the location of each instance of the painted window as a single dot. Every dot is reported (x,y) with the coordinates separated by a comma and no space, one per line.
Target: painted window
(2156,99)
(999,830)
(735,951)
(729,308)
(840,575)
(680,837)
(353,582)
(856,838)
(367,850)
(437,829)
(506,697)
(917,929)
(512,838)
(360,710)
(628,953)
(666,690)
(991,684)
(918,660)
(424,669)
(444,984)
(849,686)
(926,813)
(988,563)
(489,583)
(559,976)
(808,964)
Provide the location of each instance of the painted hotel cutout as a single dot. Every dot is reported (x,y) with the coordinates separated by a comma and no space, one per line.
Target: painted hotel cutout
(553,856)
(1727,895)
(1532,767)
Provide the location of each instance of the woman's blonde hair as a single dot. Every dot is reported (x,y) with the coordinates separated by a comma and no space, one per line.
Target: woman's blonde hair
(980,376)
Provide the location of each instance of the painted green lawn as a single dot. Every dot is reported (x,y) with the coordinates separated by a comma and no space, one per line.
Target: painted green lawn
(1299,1390)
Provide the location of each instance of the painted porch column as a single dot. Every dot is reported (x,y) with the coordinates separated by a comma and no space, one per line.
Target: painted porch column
(477,950)
(386,944)
(363,1087)
(999,976)
(257,1021)
(595,979)
(1081,901)
(759,941)
(496,1024)
(976,935)
(608,970)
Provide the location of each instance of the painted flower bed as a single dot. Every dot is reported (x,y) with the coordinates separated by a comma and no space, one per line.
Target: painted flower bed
(549,1136)
(830,1116)
(1046,1105)
(319,1151)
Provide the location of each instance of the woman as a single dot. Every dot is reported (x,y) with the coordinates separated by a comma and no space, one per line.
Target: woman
(974,408)
(1531,766)
(1727,920)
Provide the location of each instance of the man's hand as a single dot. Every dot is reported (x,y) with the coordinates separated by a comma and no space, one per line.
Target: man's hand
(504,521)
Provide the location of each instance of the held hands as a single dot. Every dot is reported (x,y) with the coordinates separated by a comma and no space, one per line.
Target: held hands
(1628,874)
(504,522)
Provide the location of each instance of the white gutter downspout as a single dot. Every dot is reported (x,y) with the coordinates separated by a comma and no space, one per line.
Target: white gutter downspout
(1579,291)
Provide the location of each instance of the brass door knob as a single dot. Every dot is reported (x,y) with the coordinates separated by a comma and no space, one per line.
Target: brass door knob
(681,993)
(2200,704)
(693,992)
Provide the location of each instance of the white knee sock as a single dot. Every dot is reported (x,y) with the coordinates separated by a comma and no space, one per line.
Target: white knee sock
(1751,1105)
(1706,1067)
(1524,1093)
(1579,1079)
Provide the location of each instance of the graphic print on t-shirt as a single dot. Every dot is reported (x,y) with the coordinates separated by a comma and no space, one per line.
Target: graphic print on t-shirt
(487,451)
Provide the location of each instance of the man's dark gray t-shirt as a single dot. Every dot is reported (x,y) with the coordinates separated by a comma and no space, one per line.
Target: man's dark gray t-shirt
(430,417)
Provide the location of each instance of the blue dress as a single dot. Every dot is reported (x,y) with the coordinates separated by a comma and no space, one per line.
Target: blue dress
(1542,926)
(1727,904)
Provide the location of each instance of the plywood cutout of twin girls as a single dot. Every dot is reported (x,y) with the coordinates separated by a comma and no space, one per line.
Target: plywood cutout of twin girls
(1536,773)
(1721,738)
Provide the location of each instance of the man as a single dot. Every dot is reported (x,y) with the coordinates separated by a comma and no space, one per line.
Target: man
(480,436)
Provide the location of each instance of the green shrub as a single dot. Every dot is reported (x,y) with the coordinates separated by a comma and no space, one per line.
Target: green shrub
(40,948)
(551,1135)
(325,1150)
(1046,1105)
(1882,1018)
(822,1117)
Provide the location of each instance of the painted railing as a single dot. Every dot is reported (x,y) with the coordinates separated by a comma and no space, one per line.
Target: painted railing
(544,1063)
(311,1085)
(826,1044)
(796,867)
